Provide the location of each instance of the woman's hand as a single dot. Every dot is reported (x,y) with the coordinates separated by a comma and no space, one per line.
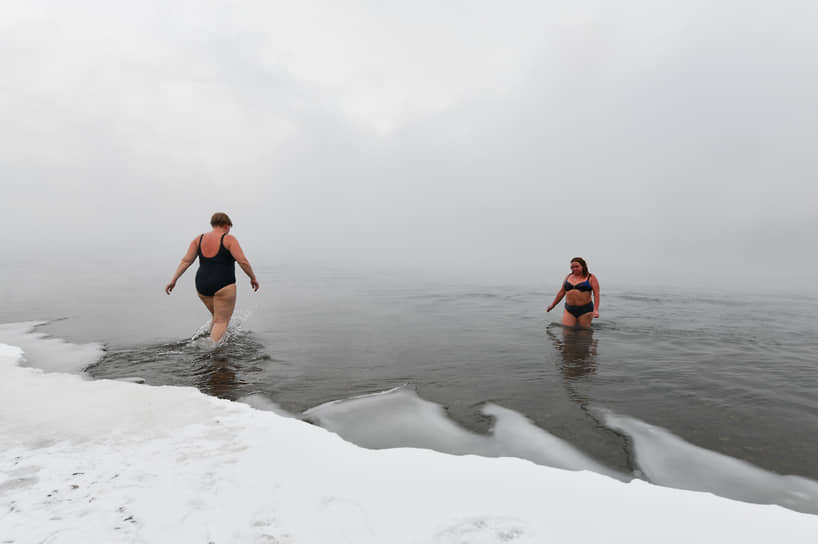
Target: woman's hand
(254,284)
(596,314)
(187,260)
(550,308)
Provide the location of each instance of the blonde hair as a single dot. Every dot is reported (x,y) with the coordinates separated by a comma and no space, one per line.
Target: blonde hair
(220,219)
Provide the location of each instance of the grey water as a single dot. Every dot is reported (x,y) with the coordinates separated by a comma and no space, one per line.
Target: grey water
(733,373)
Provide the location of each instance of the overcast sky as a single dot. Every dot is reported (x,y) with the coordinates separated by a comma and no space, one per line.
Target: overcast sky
(672,140)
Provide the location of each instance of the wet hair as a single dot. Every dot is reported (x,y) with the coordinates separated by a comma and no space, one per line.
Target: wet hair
(220,219)
(582,263)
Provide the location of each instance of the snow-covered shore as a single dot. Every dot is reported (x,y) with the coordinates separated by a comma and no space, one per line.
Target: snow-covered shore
(104,461)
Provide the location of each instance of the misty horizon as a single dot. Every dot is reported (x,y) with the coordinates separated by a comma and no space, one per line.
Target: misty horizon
(667,144)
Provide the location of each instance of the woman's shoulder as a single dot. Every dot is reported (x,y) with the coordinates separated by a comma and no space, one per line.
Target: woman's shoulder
(229,240)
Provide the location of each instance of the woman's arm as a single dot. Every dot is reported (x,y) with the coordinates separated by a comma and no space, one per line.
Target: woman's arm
(234,248)
(187,260)
(595,287)
(558,298)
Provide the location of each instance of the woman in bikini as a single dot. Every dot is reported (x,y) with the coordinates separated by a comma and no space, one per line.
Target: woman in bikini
(218,251)
(577,289)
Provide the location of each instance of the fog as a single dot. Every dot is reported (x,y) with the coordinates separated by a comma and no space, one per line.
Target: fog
(668,143)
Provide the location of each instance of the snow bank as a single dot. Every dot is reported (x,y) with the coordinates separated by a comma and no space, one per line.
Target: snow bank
(103,461)
(668,460)
(48,353)
(399,417)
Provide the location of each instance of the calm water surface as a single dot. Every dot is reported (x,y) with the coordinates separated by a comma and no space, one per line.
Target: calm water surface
(734,374)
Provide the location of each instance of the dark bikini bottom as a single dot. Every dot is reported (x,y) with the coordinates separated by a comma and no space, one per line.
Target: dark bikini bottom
(577,311)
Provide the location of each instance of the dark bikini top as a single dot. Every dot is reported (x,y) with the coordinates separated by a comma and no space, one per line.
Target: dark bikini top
(582,286)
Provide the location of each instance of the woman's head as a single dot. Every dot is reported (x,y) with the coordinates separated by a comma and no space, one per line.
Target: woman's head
(220,219)
(578,263)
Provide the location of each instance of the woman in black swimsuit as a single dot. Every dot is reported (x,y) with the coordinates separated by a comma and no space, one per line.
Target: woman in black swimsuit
(216,277)
(577,289)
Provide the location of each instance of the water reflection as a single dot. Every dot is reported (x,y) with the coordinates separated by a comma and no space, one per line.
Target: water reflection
(221,372)
(221,379)
(577,349)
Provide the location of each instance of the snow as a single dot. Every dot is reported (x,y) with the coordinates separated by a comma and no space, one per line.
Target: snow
(399,417)
(667,460)
(109,461)
(47,353)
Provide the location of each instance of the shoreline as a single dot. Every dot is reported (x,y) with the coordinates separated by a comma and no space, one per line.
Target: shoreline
(120,462)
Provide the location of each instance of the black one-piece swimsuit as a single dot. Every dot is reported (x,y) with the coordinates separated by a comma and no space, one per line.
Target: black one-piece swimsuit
(215,272)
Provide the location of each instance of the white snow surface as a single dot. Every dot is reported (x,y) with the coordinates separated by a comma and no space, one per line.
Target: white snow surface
(107,461)
(412,421)
(46,352)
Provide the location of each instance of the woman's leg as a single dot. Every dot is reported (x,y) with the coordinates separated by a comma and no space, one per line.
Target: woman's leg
(568,319)
(585,320)
(208,301)
(223,303)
